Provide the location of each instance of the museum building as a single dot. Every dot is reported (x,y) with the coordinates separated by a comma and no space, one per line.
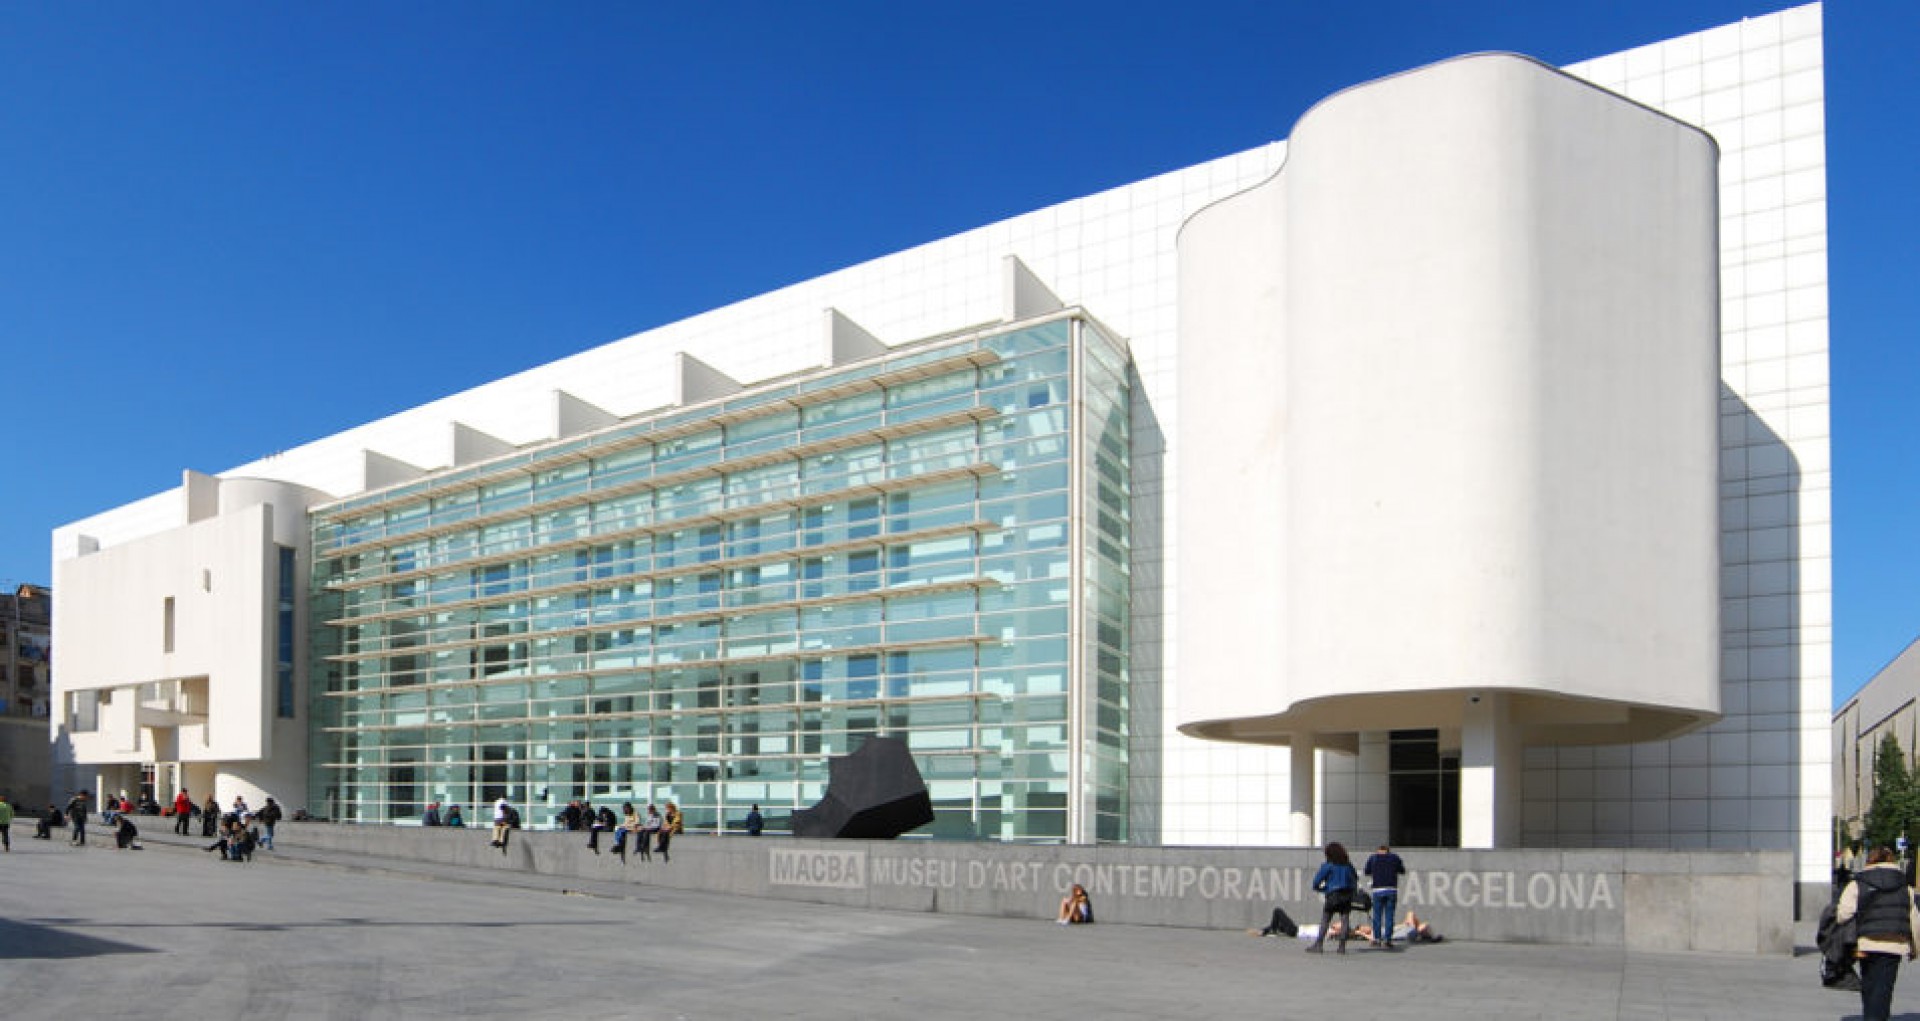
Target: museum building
(1452,473)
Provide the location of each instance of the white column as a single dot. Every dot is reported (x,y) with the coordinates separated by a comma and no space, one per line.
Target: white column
(1489,774)
(1301,794)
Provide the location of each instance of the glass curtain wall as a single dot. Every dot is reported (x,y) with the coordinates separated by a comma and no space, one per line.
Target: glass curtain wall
(703,607)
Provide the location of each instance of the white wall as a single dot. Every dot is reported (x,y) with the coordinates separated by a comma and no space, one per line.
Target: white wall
(1761,776)
(219,567)
(109,628)
(1478,430)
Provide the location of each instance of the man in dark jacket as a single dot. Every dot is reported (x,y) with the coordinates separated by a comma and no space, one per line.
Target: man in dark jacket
(1879,903)
(269,816)
(77,816)
(1384,869)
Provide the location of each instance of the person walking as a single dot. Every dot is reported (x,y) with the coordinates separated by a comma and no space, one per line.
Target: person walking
(1880,904)
(1384,869)
(77,816)
(6,822)
(269,817)
(1337,880)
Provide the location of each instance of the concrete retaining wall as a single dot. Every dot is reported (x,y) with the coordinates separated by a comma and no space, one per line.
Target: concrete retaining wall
(1723,901)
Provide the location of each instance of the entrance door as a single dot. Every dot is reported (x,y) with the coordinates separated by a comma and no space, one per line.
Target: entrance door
(1423,791)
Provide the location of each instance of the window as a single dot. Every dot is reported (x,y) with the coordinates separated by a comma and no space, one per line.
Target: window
(283,638)
(491,580)
(83,711)
(166,625)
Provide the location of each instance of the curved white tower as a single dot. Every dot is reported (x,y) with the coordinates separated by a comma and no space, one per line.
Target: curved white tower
(1456,366)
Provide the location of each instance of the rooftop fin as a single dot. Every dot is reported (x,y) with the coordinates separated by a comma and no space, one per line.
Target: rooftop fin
(699,381)
(573,416)
(199,495)
(467,445)
(848,341)
(378,470)
(1023,295)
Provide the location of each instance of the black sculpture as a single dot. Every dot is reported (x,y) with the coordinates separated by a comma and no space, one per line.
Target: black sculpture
(874,794)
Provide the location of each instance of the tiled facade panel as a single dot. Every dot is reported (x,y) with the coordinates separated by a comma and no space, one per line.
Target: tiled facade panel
(1756,778)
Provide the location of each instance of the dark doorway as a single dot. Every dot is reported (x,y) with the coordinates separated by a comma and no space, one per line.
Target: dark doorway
(402,795)
(1423,790)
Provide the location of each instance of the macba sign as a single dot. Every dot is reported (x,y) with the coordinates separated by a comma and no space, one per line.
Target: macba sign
(1471,889)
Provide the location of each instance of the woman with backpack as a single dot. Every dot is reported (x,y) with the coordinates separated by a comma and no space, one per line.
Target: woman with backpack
(1338,881)
(1880,904)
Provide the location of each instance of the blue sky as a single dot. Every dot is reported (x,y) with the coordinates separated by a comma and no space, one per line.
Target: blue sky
(228,229)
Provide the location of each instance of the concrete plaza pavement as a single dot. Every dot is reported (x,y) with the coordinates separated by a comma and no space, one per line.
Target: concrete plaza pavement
(172,933)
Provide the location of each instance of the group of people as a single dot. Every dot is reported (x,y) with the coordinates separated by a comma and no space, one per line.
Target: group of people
(1338,882)
(649,833)
(236,832)
(118,813)
(435,817)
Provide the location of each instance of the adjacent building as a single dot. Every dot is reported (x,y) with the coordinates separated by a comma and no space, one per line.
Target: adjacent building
(1889,704)
(26,691)
(1454,472)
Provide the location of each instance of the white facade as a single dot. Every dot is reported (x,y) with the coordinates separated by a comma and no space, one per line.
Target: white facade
(173,660)
(1757,778)
(1458,360)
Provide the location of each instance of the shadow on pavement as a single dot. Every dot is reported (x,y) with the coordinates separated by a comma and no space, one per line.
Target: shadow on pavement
(28,941)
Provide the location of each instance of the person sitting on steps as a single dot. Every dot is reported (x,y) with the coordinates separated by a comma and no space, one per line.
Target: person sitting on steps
(1076,908)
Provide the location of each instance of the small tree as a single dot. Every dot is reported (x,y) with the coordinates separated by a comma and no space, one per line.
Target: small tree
(1894,797)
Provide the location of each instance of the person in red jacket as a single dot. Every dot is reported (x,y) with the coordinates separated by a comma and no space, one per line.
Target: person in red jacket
(182,811)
